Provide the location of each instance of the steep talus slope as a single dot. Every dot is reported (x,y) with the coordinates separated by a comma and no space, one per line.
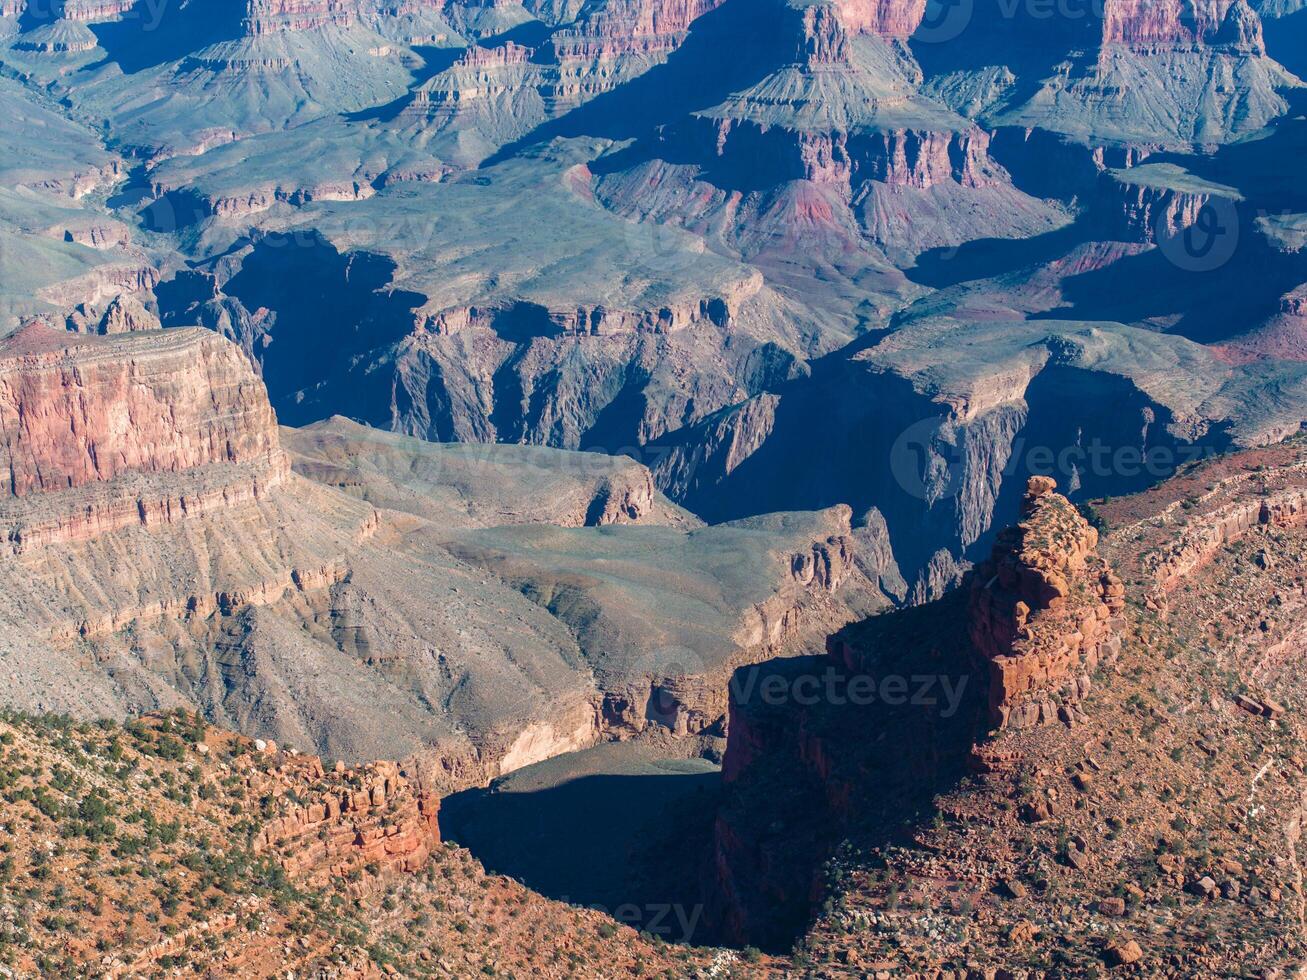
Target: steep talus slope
(1103,772)
(162,552)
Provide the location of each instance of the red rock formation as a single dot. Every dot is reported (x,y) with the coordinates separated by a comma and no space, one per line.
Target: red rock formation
(80,410)
(629,27)
(345,819)
(919,158)
(1151,24)
(90,11)
(886,18)
(271,16)
(1044,610)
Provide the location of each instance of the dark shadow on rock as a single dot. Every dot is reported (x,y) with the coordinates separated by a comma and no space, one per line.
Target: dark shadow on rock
(1204,305)
(626,844)
(985,258)
(824,751)
(1286,40)
(434,61)
(726,50)
(153,34)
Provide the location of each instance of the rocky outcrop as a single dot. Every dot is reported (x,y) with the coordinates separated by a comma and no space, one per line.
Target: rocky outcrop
(76,410)
(90,11)
(1203,537)
(128,274)
(645,28)
(1157,203)
(525,320)
(124,314)
(481,74)
(896,708)
(1149,24)
(273,16)
(897,157)
(343,819)
(896,19)
(1044,611)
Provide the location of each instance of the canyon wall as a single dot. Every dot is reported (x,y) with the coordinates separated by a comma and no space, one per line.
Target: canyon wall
(896,709)
(76,410)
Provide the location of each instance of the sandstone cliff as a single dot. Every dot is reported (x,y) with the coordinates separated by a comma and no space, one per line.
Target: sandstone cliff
(1044,611)
(74,411)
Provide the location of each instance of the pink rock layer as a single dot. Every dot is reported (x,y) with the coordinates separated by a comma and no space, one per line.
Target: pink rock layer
(1157,23)
(78,410)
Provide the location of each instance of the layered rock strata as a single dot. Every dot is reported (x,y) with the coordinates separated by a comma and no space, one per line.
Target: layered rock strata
(76,411)
(1044,611)
(348,819)
(897,708)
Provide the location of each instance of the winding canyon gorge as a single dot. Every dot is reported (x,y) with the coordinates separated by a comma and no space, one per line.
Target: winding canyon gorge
(653,488)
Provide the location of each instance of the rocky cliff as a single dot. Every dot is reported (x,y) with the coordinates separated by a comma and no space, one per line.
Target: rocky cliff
(1044,611)
(347,820)
(1048,847)
(1144,24)
(76,411)
(270,16)
(479,609)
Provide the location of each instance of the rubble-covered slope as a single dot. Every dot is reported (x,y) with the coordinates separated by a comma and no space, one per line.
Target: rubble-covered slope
(1086,791)
(168,846)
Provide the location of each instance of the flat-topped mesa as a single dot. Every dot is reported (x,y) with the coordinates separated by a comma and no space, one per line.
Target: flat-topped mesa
(1044,611)
(78,410)
(1145,25)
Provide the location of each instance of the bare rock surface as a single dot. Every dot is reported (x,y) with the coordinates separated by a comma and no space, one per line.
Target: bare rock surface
(1045,847)
(175,555)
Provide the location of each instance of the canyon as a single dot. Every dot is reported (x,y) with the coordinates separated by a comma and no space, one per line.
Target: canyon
(474,609)
(428,424)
